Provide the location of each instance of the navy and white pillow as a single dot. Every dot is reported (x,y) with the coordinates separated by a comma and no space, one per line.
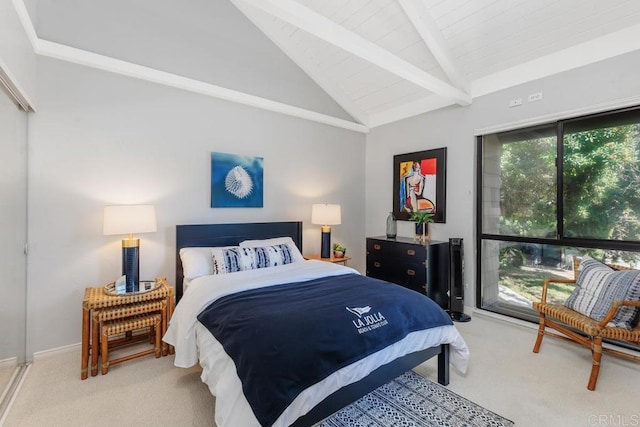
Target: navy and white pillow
(249,255)
(266,256)
(226,260)
(599,285)
(277,241)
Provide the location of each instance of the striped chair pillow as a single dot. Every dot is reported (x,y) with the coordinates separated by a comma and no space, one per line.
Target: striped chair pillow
(598,286)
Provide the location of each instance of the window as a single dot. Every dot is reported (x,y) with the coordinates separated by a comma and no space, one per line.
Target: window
(549,194)
(601,188)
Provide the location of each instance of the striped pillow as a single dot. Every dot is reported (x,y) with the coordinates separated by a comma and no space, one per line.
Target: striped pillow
(267,256)
(230,260)
(598,286)
(226,260)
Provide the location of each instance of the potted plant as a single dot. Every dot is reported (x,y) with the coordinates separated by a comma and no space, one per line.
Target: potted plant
(422,220)
(339,250)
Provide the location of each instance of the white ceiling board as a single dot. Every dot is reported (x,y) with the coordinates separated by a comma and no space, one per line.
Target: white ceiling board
(301,55)
(614,44)
(379,60)
(321,27)
(393,95)
(520,34)
(410,109)
(421,19)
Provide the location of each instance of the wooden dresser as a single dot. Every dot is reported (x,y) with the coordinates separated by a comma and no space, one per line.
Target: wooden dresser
(421,267)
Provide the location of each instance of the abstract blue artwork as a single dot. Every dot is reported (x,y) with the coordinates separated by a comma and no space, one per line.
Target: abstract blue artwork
(236,181)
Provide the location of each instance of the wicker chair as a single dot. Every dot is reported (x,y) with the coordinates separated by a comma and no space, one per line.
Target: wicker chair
(584,330)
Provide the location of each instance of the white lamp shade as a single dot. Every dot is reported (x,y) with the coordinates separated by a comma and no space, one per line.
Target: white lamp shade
(325,214)
(129,219)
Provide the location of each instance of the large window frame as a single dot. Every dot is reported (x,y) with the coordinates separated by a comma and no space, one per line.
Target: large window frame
(560,239)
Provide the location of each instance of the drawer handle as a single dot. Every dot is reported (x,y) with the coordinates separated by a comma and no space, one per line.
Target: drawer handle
(411,252)
(376,264)
(411,272)
(376,247)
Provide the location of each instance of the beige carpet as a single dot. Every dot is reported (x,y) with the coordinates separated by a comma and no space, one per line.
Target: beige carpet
(142,392)
(5,376)
(547,389)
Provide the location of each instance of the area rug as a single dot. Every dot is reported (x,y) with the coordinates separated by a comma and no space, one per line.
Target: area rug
(412,400)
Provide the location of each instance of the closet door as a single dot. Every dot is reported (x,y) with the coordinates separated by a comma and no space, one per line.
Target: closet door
(13,236)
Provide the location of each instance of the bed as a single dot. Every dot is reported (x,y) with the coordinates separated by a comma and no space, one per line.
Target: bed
(195,343)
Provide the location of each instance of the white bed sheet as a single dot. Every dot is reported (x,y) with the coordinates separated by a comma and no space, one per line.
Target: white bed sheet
(193,342)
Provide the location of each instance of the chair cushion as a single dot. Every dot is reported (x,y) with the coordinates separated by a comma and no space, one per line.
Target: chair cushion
(598,286)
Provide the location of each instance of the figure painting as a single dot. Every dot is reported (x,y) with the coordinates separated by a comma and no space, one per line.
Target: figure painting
(236,181)
(419,183)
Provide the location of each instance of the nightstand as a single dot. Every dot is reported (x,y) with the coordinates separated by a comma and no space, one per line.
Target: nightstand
(98,306)
(332,259)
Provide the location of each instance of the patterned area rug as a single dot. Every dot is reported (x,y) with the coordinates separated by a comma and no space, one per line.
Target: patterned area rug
(412,400)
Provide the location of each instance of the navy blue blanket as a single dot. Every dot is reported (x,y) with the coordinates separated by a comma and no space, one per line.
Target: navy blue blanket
(285,338)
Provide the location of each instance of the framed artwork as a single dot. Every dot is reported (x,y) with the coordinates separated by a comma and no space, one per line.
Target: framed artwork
(236,181)
(419,183)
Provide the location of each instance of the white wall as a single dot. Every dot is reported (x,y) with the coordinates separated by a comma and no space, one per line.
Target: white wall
(101,139)
(594,87)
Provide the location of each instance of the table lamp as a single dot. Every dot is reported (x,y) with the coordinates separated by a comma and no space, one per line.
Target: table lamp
(325,215)
(129,219)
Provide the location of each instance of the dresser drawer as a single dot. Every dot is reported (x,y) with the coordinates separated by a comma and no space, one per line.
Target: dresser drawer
(421,267)
(409,274)
(405,251)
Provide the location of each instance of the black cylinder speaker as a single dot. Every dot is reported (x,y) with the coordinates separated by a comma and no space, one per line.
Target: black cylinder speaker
(456,281)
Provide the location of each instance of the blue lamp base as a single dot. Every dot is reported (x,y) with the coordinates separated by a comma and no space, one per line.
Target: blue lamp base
(325,248)
(131,264)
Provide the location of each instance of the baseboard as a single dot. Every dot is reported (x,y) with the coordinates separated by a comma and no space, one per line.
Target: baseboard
(46,354)
(534,326)
(11,362)
(496,316)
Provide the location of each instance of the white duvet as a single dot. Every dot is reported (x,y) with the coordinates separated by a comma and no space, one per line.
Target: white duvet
(193,343)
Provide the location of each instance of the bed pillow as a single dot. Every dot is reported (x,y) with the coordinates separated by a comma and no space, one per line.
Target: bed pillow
(204,261)
(196,262)
(295,252)
(268,256)
(233,259)
(598,285)
(227,260)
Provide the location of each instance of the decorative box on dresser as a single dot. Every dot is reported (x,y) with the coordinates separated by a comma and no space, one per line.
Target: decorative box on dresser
(423,267)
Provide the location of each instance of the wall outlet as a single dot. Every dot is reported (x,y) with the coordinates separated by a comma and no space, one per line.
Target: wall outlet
(535,97)
(515,102)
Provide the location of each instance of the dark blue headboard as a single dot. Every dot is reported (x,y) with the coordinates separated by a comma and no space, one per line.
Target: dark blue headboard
(200,235)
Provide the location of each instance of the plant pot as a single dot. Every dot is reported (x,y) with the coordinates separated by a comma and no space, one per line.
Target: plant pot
(423,232)
(338,254)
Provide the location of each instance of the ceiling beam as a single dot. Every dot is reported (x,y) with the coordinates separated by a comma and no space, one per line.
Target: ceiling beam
(117,66)
(327,30)
(608,46)
(299,58)
(421,19)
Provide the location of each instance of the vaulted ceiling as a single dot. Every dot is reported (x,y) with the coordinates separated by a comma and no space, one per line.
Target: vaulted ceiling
(386,60)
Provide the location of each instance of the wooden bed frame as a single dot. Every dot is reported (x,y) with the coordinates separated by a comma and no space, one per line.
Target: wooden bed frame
(211,235)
